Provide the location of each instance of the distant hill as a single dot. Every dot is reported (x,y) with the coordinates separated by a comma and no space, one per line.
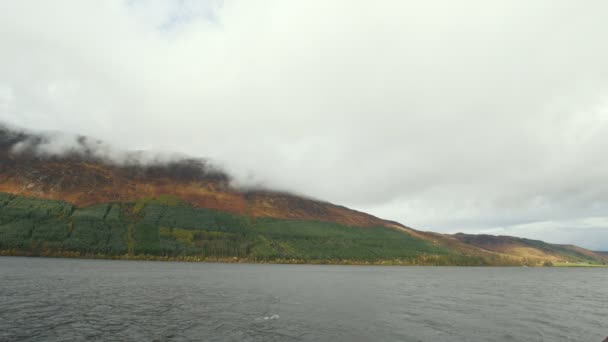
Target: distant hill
(527,248)
(81,204)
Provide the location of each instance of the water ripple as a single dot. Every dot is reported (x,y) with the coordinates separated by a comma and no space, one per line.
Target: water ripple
(96,300)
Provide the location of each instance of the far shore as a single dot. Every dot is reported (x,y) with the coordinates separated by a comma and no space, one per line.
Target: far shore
(234,260)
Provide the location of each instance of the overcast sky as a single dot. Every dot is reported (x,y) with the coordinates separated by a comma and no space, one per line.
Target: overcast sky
(473,116)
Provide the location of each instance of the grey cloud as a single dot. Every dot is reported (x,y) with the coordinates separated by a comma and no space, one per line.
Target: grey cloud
(42,144)
(443,115)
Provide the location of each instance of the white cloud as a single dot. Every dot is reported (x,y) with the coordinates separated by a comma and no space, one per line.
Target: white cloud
(443,115)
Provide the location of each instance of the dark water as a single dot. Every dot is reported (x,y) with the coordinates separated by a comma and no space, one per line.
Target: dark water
(95,300)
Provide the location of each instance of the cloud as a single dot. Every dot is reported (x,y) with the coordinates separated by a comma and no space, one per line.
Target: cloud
(52,145)
(449,116)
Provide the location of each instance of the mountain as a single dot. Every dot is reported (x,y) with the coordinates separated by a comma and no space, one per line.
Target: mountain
(80,203)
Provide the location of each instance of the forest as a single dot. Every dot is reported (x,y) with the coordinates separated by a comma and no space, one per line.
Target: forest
(166,228)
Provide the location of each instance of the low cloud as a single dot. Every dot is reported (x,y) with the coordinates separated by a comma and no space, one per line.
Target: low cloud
(43,144)
(467,116)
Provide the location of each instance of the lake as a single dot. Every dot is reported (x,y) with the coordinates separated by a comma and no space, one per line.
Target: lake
(101,300)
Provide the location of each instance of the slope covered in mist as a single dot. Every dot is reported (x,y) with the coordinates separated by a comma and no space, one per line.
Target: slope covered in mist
(79,197)
(80,175)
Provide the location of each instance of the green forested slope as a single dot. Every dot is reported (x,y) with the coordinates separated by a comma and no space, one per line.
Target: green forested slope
(167,228)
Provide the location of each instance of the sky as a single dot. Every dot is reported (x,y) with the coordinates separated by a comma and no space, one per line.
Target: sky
(450,116)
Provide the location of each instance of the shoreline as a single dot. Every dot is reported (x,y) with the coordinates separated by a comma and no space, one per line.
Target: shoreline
(235,260)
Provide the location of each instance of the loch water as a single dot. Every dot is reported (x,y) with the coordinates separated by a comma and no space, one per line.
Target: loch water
(44,299)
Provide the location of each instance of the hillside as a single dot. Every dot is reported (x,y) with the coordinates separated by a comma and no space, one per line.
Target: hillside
(79,204)
(603,253)
(83,179)
(531,249)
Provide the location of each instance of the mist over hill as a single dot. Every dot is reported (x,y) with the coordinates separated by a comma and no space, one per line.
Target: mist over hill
(77,196)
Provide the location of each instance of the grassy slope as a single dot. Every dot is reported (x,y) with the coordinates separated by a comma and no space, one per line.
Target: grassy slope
(528,249)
